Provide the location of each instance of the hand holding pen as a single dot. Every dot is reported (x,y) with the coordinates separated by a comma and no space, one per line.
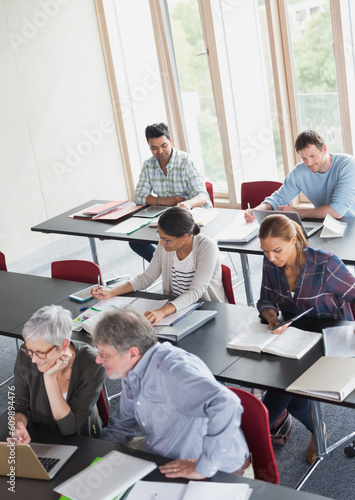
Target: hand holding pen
(100,293)
(248,215)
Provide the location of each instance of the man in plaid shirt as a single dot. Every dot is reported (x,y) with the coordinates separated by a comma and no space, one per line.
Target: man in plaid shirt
(168,178)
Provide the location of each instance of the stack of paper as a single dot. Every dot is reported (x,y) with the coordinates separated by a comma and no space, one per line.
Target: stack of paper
(339,341)
(202,216)
(332,228)
(194,490)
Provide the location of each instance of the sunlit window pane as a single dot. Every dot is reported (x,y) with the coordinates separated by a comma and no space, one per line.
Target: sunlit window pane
(137,73)
(314,69)
(196,91)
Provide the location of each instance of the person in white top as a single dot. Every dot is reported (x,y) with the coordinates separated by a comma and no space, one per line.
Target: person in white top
(188,261)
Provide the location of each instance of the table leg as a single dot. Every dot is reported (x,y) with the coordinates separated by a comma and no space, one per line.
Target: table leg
(93,248)
(247,280)
(319,439)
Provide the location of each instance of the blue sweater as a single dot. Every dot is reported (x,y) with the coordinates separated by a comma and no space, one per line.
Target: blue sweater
(336,187)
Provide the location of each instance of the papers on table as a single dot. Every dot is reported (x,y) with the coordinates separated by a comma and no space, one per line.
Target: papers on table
(292,343)
(339,341)
(106,478)
(194,490)
(332,228)
(89,318)
(328,378)
(239,231)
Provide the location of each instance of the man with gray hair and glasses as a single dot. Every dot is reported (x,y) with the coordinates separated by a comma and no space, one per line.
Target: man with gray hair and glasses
(172,398)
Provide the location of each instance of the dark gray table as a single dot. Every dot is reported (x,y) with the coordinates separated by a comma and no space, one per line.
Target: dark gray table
(28,293)
(89,449)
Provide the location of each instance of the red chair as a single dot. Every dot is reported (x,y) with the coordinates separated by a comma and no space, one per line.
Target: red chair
(227,283)
(255,192)
(102,408)
(255,425)
(2,262)
(76,270)
(209,189)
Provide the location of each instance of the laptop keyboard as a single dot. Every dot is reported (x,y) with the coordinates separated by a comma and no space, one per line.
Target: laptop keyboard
(48,463)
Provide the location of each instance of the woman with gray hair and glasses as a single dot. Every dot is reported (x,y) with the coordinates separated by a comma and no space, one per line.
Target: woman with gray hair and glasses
(57,382)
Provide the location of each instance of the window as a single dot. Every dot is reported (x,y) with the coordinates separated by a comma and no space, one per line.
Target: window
(317,98)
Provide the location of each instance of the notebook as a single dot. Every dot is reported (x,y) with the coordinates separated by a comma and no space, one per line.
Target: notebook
(184,327)
(309,227)
(35,461)
(106,478)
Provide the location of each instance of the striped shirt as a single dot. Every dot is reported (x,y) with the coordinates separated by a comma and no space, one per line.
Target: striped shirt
(182,273)
(324,283)
(182,179)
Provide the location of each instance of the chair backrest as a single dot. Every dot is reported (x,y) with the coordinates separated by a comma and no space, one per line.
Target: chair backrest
(2,262)
(255,192)
(227,283)
(209,189)
(102,408)
(255,425)
(76,270)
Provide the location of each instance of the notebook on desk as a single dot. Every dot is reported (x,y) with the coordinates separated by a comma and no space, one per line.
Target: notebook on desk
(35,461)
(309,227)
(187,325)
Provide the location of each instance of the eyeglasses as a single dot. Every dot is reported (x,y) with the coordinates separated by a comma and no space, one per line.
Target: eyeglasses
(165,241)
(105,357)
(39,354)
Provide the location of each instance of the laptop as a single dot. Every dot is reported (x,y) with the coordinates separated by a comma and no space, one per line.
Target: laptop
(187,325)
(35,461)
(151,211)
(309,227)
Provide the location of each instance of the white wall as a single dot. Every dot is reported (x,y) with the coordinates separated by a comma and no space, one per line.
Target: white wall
(58,142)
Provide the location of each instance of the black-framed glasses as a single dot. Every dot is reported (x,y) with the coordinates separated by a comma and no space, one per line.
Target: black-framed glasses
(166,242)
(39,354)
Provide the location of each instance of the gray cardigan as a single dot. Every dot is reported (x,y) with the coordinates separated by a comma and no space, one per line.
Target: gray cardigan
(207,283)
(83,392)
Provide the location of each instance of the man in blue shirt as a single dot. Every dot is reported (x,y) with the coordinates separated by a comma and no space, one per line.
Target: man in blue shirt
(327,179)
(172,398)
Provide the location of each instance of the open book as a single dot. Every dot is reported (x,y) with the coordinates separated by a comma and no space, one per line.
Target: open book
(292,343)
(106,478)
(194,490)
(328,378)
(89,318)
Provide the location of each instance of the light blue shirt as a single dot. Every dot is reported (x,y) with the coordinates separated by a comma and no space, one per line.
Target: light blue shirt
(336,187)
(173,399)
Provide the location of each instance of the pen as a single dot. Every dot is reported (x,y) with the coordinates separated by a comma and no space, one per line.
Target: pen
(83,309)
(292,319)
(98,282)
(249,206)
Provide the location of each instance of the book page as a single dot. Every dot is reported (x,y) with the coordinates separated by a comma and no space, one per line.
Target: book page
(154,489)
(293,343)
(339,341)
(197,490)
(254,338)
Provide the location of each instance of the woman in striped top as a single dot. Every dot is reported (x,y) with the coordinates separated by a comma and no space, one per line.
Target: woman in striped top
(296,278)
(188,262)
